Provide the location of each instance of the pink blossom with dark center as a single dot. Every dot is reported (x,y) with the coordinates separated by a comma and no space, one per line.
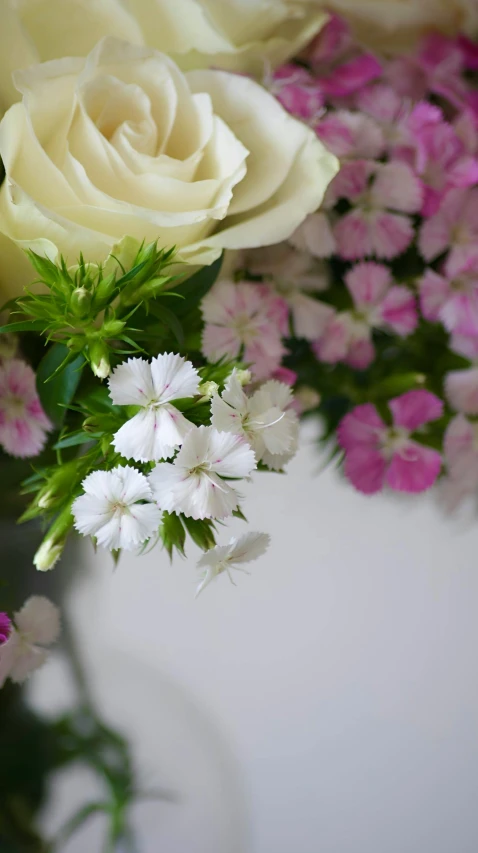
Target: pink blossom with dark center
(454,227)
(5,627)
(452,297)
(378,455)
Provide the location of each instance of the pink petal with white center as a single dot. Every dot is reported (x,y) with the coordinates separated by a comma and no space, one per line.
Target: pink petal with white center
(413,469)
(349,134)
(415,408)
(315,235)
(350,182)
(310,317)
(461,453)
(434,290)
(23,423)
(334,40)
(39,619)
(365,467)
(220,304)
(220,341)
(362,426)
(265,354)
(361,354)
(353,235)
(334,344)
(464,173)
(381,102)
(390,234)
(396,187)
(399,311)
(285,376)
(467,347)
(368,282)
(351,76)
(459,314)
(20,437)
(461,390)
(304,102)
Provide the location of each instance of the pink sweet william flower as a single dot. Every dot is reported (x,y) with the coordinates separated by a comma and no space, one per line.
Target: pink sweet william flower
(442,159)
(452,297)
(36,627)
(339,64)
(245,318)
(461,386)
(461,458)
(390,112)
(454,227)
(437,68)
(378,304)
(381,195)
(377,455)
(351,135)
(297,91)
(23,423)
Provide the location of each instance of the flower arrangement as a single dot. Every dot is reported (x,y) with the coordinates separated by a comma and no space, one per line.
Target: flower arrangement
(217,217)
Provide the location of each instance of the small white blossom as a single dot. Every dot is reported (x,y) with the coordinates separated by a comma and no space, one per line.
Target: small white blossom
(193,484)
(223,558)
(116,509)
(159,428)
(265,419)
(36,627)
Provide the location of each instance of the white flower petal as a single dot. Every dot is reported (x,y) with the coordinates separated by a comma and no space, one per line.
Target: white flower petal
(224,418)
(229,455)
(152,434)
(174,378)
(28,659)
(131,383)
(39,619)
(7,656)
(133,485)
(249,547)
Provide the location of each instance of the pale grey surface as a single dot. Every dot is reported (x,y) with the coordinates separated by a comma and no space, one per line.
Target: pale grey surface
(328,704)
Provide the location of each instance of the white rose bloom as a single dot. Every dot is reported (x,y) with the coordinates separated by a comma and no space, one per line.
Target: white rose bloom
(395,25)
(239,35)
(123,143)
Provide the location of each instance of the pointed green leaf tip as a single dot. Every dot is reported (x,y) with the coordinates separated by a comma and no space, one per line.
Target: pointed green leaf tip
(58,376)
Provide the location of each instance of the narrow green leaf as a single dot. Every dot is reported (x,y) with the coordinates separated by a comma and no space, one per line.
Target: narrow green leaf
(196,287)
(24,326)
(56,393)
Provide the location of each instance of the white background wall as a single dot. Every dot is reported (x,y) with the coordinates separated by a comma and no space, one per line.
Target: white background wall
(327,704)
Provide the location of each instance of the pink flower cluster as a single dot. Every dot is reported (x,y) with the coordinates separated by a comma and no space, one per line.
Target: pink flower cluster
(392,254)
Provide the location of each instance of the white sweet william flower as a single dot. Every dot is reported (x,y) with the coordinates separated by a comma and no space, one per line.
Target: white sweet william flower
(194,483)
(265,419)
(36,627)
(116,509)
(159,428)
(223,558)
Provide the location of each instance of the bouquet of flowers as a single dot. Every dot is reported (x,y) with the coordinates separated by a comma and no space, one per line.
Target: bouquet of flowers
(216,216)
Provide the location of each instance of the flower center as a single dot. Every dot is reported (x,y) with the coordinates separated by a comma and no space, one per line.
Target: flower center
(394,440)
(15,406)
(245,328)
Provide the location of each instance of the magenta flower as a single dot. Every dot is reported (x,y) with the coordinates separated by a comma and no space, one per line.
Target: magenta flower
(245,318)
(452,297)
(390,112)
(437,67)
(23,423)
(381,194)
(454,226)
(342,68)
(378,304)
(377,455)
(5,628)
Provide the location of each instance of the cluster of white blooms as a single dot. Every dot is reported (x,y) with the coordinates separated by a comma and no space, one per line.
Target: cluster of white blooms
(122,507)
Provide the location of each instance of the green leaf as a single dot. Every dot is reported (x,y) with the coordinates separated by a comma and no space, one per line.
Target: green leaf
(170,319)
(24,326)
(200,531)
(172,533)
(56,393)
(196,287)
(75,439)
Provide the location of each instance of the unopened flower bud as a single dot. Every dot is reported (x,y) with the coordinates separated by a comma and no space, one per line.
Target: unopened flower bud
(307,398)
(52,546)
(80,302)
(99,358)
(207,390)
(112,328)
(244,377)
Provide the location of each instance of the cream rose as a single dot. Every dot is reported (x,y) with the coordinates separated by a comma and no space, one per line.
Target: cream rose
(238,35)
(122,143)
(395,25)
